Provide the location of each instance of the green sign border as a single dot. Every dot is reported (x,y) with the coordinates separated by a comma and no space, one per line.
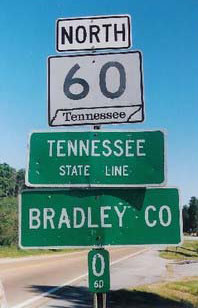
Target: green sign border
(110,191)
(30,183)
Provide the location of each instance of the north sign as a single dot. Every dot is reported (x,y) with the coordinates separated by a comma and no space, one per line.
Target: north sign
(82,218)
(96,159)
(93,33)
(95,89)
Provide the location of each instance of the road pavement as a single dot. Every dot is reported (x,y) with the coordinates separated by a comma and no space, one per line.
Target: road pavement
(26,280)
(136,270)
(61,281)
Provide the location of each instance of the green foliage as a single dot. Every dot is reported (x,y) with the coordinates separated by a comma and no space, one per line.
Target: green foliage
(193,214)
(186,219)
(190,216)
(20,181)
(8,221)
(7,180)
(11,181)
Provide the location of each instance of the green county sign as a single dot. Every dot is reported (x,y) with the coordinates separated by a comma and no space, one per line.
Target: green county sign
(96,159)
(82,218)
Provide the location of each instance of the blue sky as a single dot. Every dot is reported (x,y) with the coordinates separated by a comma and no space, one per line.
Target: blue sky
(165,32)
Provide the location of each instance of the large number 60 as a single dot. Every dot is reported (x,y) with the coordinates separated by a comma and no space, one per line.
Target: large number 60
(70,80)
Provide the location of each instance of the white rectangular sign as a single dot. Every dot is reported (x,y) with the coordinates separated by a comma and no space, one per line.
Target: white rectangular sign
(95,89)
(93,33)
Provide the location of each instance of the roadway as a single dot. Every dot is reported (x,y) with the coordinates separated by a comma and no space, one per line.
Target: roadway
(28,282)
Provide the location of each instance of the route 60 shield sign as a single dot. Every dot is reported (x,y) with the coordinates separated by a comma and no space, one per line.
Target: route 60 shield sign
(95,89)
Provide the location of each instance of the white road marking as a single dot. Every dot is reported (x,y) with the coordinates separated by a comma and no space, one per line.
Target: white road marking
(53,290)
(129,256)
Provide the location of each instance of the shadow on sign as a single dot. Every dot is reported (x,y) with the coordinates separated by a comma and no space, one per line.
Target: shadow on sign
(133,196)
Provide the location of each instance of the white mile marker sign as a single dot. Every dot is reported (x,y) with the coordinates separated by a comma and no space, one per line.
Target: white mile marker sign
(93,33)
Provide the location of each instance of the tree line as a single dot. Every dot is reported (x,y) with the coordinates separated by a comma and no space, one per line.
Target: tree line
(190,216)
(13,181)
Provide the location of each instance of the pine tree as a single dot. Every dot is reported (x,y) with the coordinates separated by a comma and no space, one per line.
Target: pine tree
(20,181)
(186,220)
(193,214)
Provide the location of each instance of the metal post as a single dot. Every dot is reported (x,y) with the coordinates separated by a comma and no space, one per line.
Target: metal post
(100,300)
(96,127)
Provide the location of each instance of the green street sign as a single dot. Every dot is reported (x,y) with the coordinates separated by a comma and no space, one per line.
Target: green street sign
(88,218)
(96,159)
(98,269)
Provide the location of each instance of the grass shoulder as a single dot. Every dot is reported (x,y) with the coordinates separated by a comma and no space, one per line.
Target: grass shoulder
(176,294)
(15,252)
(187,251)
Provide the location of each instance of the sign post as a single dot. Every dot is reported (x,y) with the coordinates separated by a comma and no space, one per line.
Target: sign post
(100,300)
(99,273)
